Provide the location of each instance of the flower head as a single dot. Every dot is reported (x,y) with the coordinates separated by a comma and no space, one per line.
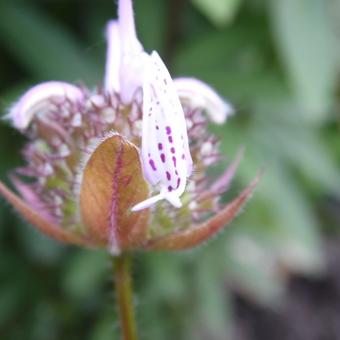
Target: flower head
(123,166)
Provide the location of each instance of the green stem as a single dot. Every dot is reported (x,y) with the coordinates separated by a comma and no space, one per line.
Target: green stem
(124,296)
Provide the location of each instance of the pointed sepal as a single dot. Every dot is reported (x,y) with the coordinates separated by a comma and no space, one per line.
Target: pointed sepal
(196,235)
(40,222)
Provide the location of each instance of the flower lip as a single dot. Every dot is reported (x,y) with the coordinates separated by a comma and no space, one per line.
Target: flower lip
(38,99)
(165,148)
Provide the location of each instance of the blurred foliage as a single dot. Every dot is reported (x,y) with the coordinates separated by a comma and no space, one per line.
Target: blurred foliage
(219,12)
(278,63)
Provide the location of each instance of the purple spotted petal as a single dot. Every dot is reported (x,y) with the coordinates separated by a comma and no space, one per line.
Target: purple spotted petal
(165,147)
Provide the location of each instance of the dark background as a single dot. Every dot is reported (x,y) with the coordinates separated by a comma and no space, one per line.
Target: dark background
(274,274)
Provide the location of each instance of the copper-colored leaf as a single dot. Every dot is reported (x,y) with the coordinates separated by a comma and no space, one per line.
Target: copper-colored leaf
(39,222)
(193,236)
(112,183)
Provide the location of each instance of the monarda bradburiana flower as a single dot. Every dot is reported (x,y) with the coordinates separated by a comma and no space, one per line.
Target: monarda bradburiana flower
(123,166)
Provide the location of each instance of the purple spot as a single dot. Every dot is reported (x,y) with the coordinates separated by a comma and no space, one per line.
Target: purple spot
(168,130)
(176,172)
(178,182)
(183,156)
(163,157)
(157,127)
(152,164)
(170,139)
(160,146)
(170,188)
(168,176)
(172,150)
(174,160)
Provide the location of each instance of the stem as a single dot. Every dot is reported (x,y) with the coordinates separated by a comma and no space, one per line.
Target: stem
(124,295)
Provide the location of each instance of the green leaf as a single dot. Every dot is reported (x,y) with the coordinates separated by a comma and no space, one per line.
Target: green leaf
(297,238)
(151,22)
(251,265)
(84,274)
(311,156)
(306,41)
(212,306)
(43,46)
(105,328)
(219,12)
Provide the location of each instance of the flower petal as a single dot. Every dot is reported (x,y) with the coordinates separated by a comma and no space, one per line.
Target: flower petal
(198,94)
(40,222)
(112,182)
(165,148)
(111,83)
(38,99)
(131,75)
(133,57)
(194,236)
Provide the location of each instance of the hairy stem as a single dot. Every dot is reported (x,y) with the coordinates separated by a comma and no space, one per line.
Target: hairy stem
(124,295)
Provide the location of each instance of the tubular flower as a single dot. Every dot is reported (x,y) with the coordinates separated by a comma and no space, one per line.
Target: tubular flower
(123,166)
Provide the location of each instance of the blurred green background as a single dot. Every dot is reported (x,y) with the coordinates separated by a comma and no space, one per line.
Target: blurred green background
(274,274)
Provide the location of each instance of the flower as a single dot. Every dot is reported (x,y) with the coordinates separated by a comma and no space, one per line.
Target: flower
(94,156)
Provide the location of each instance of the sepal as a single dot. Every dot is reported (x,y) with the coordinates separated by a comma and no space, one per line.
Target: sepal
(112,182)
(41,223)
(197,234)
